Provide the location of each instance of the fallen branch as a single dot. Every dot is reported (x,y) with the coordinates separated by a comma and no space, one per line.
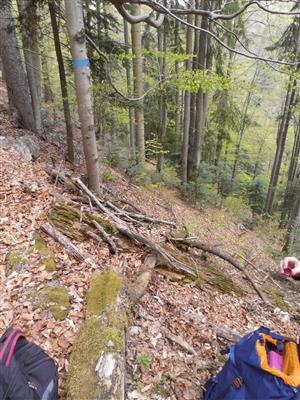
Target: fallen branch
(70,247)
(226,333)
(221,254)
(171,261)
(180,341)
(105,236)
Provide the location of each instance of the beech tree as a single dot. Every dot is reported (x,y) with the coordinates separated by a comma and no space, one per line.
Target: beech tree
(74,17)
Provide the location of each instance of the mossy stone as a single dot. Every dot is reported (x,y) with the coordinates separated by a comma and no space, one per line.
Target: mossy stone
(47,255)
(56,300)
(16,260)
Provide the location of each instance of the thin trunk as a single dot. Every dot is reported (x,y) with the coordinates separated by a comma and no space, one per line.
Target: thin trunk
(129,90)
(14,73)
(63,82)
(28,17)
(187,104)
(162,47)
(242,130)
(201,100)
(48,92)
(136,39)
(177,129)
(194,95)
(74,17)
(293,222)
(280,145)
(290,186)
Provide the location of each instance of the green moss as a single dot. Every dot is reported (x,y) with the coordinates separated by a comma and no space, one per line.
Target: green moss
(47,255)
(74,223)
(276,297)
(224,283)
(56,300)
(103,291)
(95,334)
(16,259)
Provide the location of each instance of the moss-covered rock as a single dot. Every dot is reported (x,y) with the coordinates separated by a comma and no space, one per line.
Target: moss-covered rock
(16,260)
(46,254)
(19,257)
(54,299)
(103,331)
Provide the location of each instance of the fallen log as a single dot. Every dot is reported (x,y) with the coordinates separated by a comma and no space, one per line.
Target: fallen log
(226,333)
(97,362)
(70,247)
(221,254)
(180,341)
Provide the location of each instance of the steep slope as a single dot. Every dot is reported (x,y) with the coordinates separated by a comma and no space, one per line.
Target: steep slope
(174,329)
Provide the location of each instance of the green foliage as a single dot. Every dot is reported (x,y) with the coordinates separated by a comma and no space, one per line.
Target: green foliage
(256,194)
(144,361)
(239,208)
(153,148)
(194,80)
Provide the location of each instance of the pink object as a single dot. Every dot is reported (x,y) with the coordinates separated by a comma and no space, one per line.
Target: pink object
(290,266)
(275,360)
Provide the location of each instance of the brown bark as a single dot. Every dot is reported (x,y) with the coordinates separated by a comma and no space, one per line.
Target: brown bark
(187,106)
(63,82)
(29,29)
(15,78)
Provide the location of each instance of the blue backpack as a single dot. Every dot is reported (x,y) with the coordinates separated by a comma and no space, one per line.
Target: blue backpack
(26,371)
(247,374)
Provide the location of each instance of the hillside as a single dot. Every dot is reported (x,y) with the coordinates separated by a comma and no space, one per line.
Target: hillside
(158,367)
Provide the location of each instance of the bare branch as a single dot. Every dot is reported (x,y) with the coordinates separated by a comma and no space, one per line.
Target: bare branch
(135,19)
(215,37)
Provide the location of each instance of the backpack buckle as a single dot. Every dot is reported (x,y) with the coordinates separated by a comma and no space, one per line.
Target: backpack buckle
(237,382)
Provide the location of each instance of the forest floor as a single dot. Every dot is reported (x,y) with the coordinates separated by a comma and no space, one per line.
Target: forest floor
(157,367)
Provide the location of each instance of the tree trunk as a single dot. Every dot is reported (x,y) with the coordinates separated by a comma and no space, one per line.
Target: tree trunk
(74,16)
(63,82)
(294,220)
(281,139)
(162,47)
(177,130)
(29,29)
(187,105)
(129,91)
(290,186)
(14,73)
(48,92)
(136,40)
(200,100)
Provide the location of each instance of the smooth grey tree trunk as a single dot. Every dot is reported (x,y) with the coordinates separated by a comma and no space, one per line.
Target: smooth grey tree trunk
(136,39)
(15,77)
(74,17)
(187,105)
(29,29)
(63,82)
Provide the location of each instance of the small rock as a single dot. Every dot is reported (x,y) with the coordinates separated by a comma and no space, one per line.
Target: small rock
(110,344)
(134,330)
(284,316)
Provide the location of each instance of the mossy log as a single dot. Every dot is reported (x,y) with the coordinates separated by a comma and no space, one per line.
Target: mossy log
(97,362)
